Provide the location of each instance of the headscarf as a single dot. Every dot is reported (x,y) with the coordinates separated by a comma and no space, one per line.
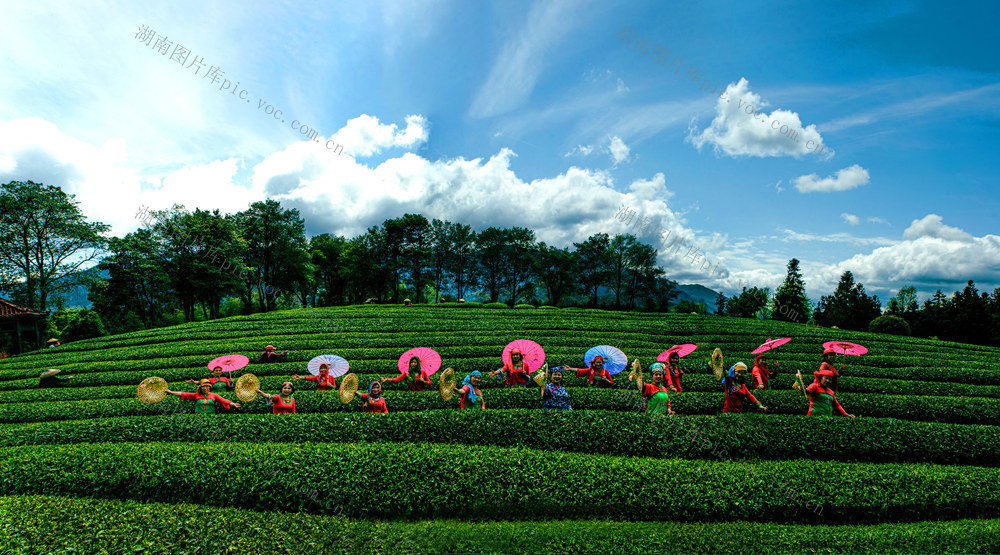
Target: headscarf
(756,361)
(829,352)
(269,348)
(657,367)
(202,383)
(468,381)
(372,384)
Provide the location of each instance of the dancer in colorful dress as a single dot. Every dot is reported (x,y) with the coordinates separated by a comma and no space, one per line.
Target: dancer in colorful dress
(555,396)
(657,394)
(283,403)
(822,397)
(324,381)
(270,356)
(470,391)
(205,400)
(516,370)
(220,383)
(373,401)
(596,372)
(736,390)
(674,372)
(416,379)
(761,374)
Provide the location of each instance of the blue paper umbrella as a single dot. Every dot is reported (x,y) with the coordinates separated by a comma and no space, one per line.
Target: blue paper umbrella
(614,359)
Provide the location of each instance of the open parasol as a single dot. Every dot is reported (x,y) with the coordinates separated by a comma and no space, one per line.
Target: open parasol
(338,365)
(448,380)
(229,362)
(770,344)
(682,351)
(532,353)
(348,387)
(152,390)
(845,348)
(614,359)
(246,387)
(430,360)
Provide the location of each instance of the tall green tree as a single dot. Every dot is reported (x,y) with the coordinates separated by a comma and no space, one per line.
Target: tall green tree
(619,257)
(849,307)
(328,254)
(594,260)
(556,270)
(415,250)
(462,263)
(491,246)
(277,254)
(519,252)
(44,239)
(790,301)
(136,293)
(641,272)
(748,304)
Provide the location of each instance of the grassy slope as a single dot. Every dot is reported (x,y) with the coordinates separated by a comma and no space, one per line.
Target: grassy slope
(948,377)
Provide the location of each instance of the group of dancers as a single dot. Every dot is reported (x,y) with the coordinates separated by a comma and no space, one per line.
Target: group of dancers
(665,376)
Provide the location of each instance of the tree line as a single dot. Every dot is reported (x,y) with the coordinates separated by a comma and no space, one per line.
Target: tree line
(183,266)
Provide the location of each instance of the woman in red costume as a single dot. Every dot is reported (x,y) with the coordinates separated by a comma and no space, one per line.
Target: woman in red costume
(658,391)
(761,375)
(470,392)
(596,374)
(220,383)
(674,372)
(205,400)
(373,401)
(822,398)
(416,379)
(736,390)
(283,403)
(829,356)
(516,370)
(324,381)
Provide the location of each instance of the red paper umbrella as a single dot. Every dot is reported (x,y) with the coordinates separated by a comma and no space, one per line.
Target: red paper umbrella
(682,351)
(845,348)
(770,344)
(430,360)
(531,353)
(229,362)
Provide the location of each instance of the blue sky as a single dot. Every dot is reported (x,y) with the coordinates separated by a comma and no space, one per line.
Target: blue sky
(539,115)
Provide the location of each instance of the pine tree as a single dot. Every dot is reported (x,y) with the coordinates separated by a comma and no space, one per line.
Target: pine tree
(790,301)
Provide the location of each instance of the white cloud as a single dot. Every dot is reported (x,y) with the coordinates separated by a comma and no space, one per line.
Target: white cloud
(931,226)
(364,136)
(876,220)
(843,180)
(618,150)
(621,86)
(851,219)
(741,128)
(522,58)
(581,150)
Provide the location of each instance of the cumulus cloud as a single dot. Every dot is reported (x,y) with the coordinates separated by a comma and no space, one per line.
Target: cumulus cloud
(844,180)
(581,150)
(742,128)
(618,150)
(876,220)
(364,136)
(851,219)
(931,226)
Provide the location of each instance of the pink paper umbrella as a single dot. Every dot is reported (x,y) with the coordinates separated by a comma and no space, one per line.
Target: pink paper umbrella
(430,360)
(531,353)
(845,348)
(770,344)
(682,351)
(229,362)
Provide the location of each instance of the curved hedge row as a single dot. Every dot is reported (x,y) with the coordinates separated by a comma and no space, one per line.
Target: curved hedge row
(44,524)
(958,410)
(596,432)
(484,483)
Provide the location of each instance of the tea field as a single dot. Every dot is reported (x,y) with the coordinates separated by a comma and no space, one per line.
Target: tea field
(88,468)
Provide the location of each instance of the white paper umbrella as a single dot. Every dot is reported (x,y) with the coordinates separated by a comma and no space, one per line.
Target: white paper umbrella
(338,365)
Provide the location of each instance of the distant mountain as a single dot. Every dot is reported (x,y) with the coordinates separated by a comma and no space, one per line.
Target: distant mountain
(698,294)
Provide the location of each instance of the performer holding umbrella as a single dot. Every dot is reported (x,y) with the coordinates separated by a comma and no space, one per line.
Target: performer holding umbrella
(603,361)
(416,367)
(520,358)
(822,397)
(283,403)
(205,400)
(324,368)
(219,366)
(672,357)
(761,373)
(831,349)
